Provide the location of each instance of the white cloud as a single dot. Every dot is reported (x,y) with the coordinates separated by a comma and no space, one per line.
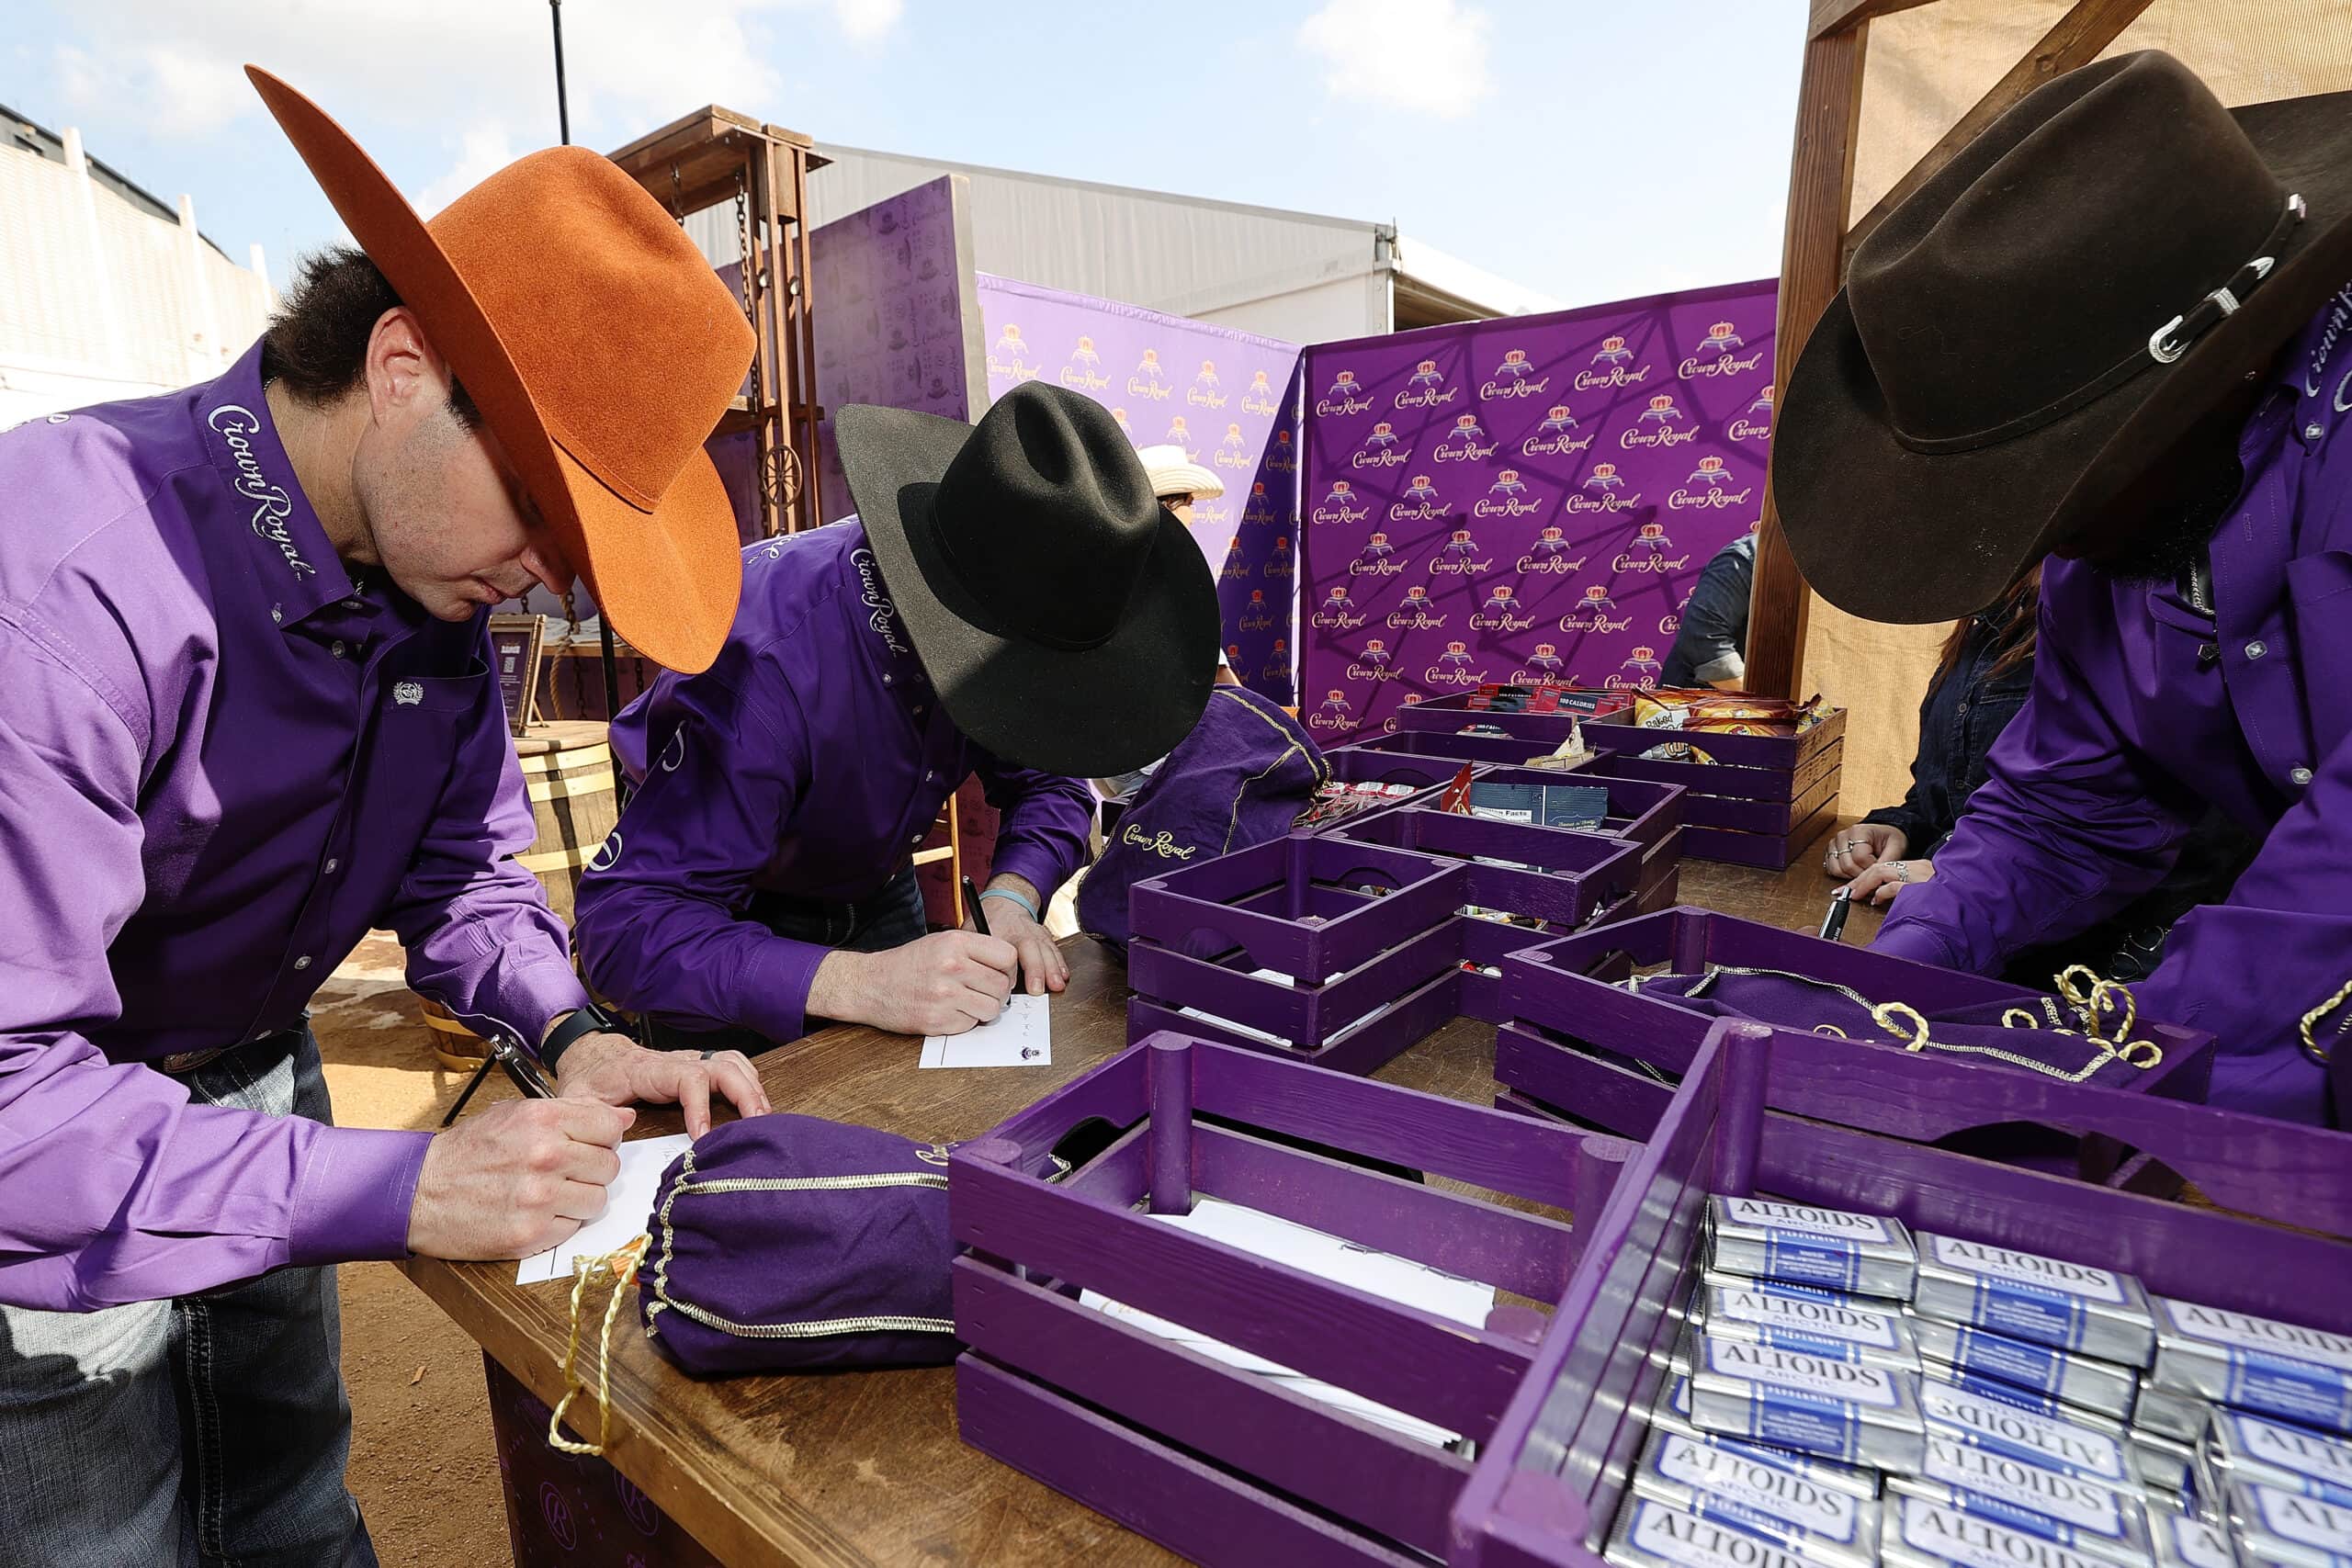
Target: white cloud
(1427,57)
(868,21)
(176,91)
(484,150)
(422,65)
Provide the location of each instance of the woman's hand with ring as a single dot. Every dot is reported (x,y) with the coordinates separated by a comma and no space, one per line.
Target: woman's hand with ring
(1857,849)
(1883,881)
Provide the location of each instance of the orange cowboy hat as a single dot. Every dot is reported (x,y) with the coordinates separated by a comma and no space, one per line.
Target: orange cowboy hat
(601,349)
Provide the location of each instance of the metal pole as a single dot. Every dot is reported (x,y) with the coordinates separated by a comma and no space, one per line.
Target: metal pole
(562,109)
(604,622)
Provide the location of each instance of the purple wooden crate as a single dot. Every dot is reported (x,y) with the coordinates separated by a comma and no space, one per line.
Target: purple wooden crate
(1646,812)
(1575,872)
(1220,1465)
(1780,817)
(1772,852)
(1721,779)
(1553,987)
(1547,1488)
(1290,904)
(1411,986)
(1731,750)
(1364,764)
(1459,747)
(1453,712)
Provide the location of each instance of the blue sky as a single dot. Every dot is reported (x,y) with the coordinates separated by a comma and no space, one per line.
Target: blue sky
(1588,149)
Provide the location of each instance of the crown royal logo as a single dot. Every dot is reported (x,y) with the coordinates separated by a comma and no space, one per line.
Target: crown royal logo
(1426,388)
(1514,377)
(1346,397)
(1467,441)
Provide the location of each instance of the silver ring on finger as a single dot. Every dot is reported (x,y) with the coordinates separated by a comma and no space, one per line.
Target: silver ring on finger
(1900,870)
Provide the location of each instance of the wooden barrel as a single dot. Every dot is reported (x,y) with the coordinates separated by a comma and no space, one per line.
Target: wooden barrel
(568,769)
(457,1048)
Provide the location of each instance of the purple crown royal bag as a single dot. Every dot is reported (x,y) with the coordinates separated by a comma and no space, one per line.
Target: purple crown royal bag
(1242,776)
(785,1242)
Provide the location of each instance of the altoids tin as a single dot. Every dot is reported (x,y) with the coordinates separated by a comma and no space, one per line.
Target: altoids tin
(2184,1541)
(2083,1380)
(1922,1533)
(1869,1254)
(2241,1447)
(2180,1417)
(1798,1317)
(1671,1413)
(1650,1534)
(1967,1415)
(1847,1411)
(2094,1520)
(2256,1363)
(2046,1300)
(1762,1493)
(2287,1527)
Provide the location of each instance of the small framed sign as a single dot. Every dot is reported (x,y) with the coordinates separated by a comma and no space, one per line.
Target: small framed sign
(517,644)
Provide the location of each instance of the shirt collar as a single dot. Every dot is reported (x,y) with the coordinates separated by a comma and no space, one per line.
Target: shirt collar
(293,559)
(889,650)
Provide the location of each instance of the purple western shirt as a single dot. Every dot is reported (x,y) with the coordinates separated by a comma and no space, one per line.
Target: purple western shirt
(2144,708)
(811,759)
(221,761)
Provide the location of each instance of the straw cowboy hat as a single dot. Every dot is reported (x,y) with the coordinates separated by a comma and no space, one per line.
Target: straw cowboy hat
(1171,473)
(1066,618)
(601,349)
(2042,320)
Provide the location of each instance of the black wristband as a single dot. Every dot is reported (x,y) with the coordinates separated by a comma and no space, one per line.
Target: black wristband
(588,1020)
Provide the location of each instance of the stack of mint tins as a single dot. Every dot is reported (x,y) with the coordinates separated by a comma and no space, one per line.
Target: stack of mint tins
(1847,1393)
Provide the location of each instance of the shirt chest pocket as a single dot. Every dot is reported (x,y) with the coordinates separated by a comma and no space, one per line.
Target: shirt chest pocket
(419,724)
(2319,587)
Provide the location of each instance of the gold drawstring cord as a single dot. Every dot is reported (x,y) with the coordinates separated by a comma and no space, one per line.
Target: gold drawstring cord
(1885,1015)
(2311,1046)
(2100,998)
(622,1265)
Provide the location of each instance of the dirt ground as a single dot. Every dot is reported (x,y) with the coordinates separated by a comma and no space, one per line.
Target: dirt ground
(421,1455)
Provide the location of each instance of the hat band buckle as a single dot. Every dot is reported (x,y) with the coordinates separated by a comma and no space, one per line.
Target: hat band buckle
(2165,345)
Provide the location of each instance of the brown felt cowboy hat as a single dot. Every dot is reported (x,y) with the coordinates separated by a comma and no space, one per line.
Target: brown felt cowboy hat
(2039,323)
(601,349)
(1066,618)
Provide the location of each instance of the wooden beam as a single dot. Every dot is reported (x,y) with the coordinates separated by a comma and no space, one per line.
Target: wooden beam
(2077,39)
(1821,181)
(1836,16)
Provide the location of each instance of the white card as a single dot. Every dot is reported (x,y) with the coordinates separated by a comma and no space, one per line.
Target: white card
(1020,1036)
(629,1203)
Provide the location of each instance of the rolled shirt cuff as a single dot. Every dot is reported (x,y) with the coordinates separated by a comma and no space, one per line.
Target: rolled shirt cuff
(1041,868)
(1915,940)
(352,1204)
(528,997)
(775,987)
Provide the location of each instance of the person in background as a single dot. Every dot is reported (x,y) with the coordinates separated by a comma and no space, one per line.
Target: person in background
(1009,599)
(1710,646)
(249,715)
(1177,482)
(1979,685)
(2113,331)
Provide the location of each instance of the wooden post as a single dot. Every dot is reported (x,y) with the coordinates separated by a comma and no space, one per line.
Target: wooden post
(1168,1156)
(2075,40)
(1821,179)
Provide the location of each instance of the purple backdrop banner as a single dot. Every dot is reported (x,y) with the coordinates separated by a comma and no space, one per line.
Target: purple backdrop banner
(1227,397)
(1524,497)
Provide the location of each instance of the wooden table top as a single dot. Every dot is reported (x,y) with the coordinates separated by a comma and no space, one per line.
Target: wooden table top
(866,1468)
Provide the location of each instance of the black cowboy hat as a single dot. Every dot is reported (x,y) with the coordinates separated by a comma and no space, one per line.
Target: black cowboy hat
(1067,619)
(2042,320)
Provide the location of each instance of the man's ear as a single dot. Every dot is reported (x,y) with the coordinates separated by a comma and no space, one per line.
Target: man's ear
(406,375)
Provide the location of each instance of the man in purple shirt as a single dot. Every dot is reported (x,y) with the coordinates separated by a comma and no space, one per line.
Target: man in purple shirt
(2093,335)
(249,715)
(1011,601)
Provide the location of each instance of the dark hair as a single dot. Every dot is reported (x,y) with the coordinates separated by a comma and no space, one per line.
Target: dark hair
(2012,617)
(317,341)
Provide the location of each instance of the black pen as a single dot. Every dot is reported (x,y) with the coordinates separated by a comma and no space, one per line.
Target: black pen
(1833,925)
(980,919)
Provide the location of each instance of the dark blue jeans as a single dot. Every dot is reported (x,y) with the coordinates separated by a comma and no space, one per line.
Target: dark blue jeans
(208,1430)
(892,917)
